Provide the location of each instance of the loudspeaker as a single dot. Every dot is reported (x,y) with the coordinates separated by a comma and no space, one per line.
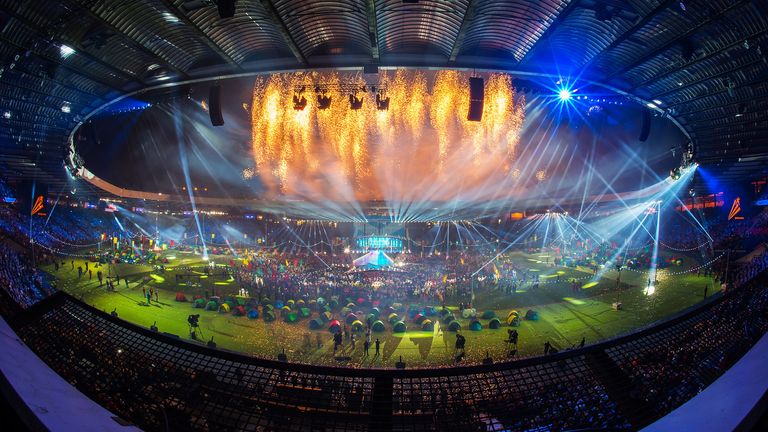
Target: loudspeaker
(214,106)
(645,128)
(476,98)
(226,8)
(370,69)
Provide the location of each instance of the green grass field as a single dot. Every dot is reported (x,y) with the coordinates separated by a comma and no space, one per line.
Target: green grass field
(565,317)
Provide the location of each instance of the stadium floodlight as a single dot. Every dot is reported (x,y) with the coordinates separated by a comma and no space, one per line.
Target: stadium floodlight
(66,51)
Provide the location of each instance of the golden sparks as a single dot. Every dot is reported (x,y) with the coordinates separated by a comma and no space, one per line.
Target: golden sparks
(380,154)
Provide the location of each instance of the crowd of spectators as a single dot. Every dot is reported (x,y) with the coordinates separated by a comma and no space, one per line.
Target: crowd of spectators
(19,278)
(667,370)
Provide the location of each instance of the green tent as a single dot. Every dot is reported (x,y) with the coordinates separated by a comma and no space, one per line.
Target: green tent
(475,325)
(489,314)
(378,326)
(399,327)
(305,312)
(454,326)
(393,318)
(200,303)
(494,323)
(290,317)
(269,316)
(212,306)
(448,319)
(315,324)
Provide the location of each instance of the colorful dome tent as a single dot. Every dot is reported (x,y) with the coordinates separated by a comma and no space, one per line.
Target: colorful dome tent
(253,314)
(513,320)
(180,297)
(430,311)
(475,325)
(238,311)
(304,312)
(393,318)
(375,312)
(448,319)
(290,303)
(378,326)
(531,315)
(326,316)
(454,326)
(269,316)
(265,301)
(399,327)
(279,304)
(373,260)
(334,326)
(357,325)
(350,318)
(211,305)
(414,310)
(427,325)
(199,303)
(290,317)
(419,318)
(315,324)
(494,323)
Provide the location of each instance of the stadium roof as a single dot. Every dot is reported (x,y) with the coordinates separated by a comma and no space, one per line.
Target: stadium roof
(706,61)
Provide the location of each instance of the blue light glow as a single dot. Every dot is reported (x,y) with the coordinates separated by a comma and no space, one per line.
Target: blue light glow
(564,94)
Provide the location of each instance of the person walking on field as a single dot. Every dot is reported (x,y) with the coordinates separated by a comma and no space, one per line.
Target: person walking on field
(378,343)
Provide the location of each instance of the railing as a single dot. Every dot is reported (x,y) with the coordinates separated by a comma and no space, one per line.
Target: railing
(164,383)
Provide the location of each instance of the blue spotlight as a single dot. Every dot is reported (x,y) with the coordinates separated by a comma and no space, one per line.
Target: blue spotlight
(564,94)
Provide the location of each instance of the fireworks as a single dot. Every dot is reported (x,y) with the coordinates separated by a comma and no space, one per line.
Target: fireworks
(341,153)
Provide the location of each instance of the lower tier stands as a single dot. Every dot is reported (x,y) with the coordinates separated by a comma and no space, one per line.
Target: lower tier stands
(161,383)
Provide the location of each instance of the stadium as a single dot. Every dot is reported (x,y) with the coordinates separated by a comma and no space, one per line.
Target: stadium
(392,215)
